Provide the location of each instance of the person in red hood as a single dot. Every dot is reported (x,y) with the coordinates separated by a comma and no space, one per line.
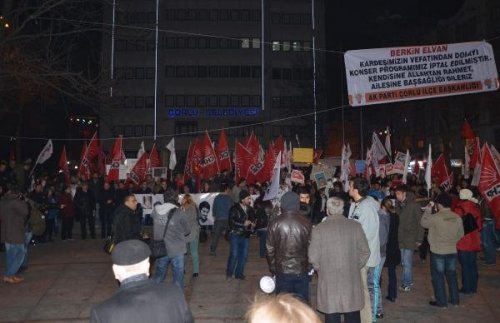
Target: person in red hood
(470,244)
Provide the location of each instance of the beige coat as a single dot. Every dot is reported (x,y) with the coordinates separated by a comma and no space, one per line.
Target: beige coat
(338,251)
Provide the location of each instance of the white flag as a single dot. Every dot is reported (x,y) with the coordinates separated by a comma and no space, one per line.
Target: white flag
(388,142)
(407,163)
(428,169)
(496,156)
(141,150)
(45,153)
(173,157)
(272,190)
(345,166)
(378,150)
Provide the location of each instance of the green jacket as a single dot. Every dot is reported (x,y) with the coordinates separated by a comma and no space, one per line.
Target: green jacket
(410,231)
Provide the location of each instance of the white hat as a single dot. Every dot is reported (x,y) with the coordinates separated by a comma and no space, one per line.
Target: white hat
(466,194)
(267,284)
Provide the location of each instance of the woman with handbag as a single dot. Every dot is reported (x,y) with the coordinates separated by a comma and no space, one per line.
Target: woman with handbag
(189,210)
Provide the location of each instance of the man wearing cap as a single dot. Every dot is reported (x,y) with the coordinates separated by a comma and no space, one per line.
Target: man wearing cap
(287,242)
(139,299)
(445,230)
(468,247)
(241,224)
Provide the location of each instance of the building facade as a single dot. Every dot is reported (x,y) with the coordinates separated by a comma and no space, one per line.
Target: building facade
(210,72)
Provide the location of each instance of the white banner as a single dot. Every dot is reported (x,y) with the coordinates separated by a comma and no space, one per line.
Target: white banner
(409,73)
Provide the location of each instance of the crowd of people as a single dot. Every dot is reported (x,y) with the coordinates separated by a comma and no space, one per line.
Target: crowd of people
(346,238)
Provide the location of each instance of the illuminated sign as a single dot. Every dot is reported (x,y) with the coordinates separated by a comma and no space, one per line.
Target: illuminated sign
(213,112)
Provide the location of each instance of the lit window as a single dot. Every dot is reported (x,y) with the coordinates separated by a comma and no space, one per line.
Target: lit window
(256,42)
(245,43)
(276,46)
(306,46)
(296,45)
(286,46)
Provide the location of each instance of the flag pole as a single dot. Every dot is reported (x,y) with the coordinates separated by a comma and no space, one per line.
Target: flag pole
(314,75)
(156,69)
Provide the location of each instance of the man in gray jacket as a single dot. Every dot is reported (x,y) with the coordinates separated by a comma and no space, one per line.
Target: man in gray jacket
(169,215)
(410,232)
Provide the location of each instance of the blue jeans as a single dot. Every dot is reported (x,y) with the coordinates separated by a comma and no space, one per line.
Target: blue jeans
(441,266)
(407,264)
(238,253)
(374,288)
(27,240)
(297,284)
(262,233)
(488,240)
(469,271)
(195,257)
(14,257)
(161,267)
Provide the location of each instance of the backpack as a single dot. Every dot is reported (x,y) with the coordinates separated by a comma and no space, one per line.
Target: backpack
(36,220)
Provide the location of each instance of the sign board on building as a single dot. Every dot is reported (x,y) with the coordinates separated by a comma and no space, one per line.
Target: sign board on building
(385,75)
(303,155)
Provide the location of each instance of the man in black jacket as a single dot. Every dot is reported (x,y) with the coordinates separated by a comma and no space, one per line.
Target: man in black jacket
(107,205)
(241,224)
(85,204)
(126,223)
(287,242)
(139,298)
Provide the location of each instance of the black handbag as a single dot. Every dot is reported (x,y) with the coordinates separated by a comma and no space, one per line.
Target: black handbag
(158,248)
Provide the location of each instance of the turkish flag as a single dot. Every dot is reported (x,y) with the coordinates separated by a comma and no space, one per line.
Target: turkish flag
(489,183)
(222,152)
(209,161)
(154,157)
(63,165)
(116,159)
(267,172)
(253,146)
(84,169)
(138,172)
(439,170)
(197,158)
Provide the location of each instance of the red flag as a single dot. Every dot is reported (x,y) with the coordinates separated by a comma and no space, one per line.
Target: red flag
(253,146)
(317,155)
(154,157)
(63,165)
(267,172)
(243,160)
(209,161)
(474,153)
(84,170)
(116,159)
(279,145)
(439,170)
(467,132)
(187,166)
(196,158)
(222,151)
(138,172)
(93,147)
(489,183)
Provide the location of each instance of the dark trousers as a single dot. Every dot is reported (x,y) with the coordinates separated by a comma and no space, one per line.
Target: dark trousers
(444,266)
(424,247)
(90,220)
(220,226)
(262,234)
(51,225)
(392,287)
(297,284)
(67,228)
(351,317)
(469,271)
(106,220)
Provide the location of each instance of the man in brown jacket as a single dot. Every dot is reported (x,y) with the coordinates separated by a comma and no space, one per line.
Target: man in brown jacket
(338,251)
(287,243)
(13,214)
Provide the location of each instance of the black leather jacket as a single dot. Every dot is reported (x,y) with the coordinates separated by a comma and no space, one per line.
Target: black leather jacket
(288,237)
(237,218)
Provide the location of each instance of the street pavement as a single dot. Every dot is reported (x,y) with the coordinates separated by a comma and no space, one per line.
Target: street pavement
(66,278)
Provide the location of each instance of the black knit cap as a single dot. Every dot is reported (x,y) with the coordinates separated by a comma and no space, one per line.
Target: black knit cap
(130,252)
(443,199)
(243,195)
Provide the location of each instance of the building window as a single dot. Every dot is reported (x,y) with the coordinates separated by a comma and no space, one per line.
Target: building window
(180,71)
(245,43)
(169,71)
(256,100)
(245,100)
(169,42)
(180,101)
(223,71)
(234,71)
(246,71)
(148,130)
(169,101)
(287,73)
(296,46)
(286,46)
(129,102)
(202,43)
(202,71)
(256,71)
(186,127)
(149,102)
(192,43)
(213,71)
(276,73)
(235,100)
(213,101)
(139,73)
(138,131)
(150,73)
(139,102)
(223,101)
(306,46)
(276,46)
(202,100)
(190,101)
(128,131)
(190,71)
(276,102)
(255,42)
